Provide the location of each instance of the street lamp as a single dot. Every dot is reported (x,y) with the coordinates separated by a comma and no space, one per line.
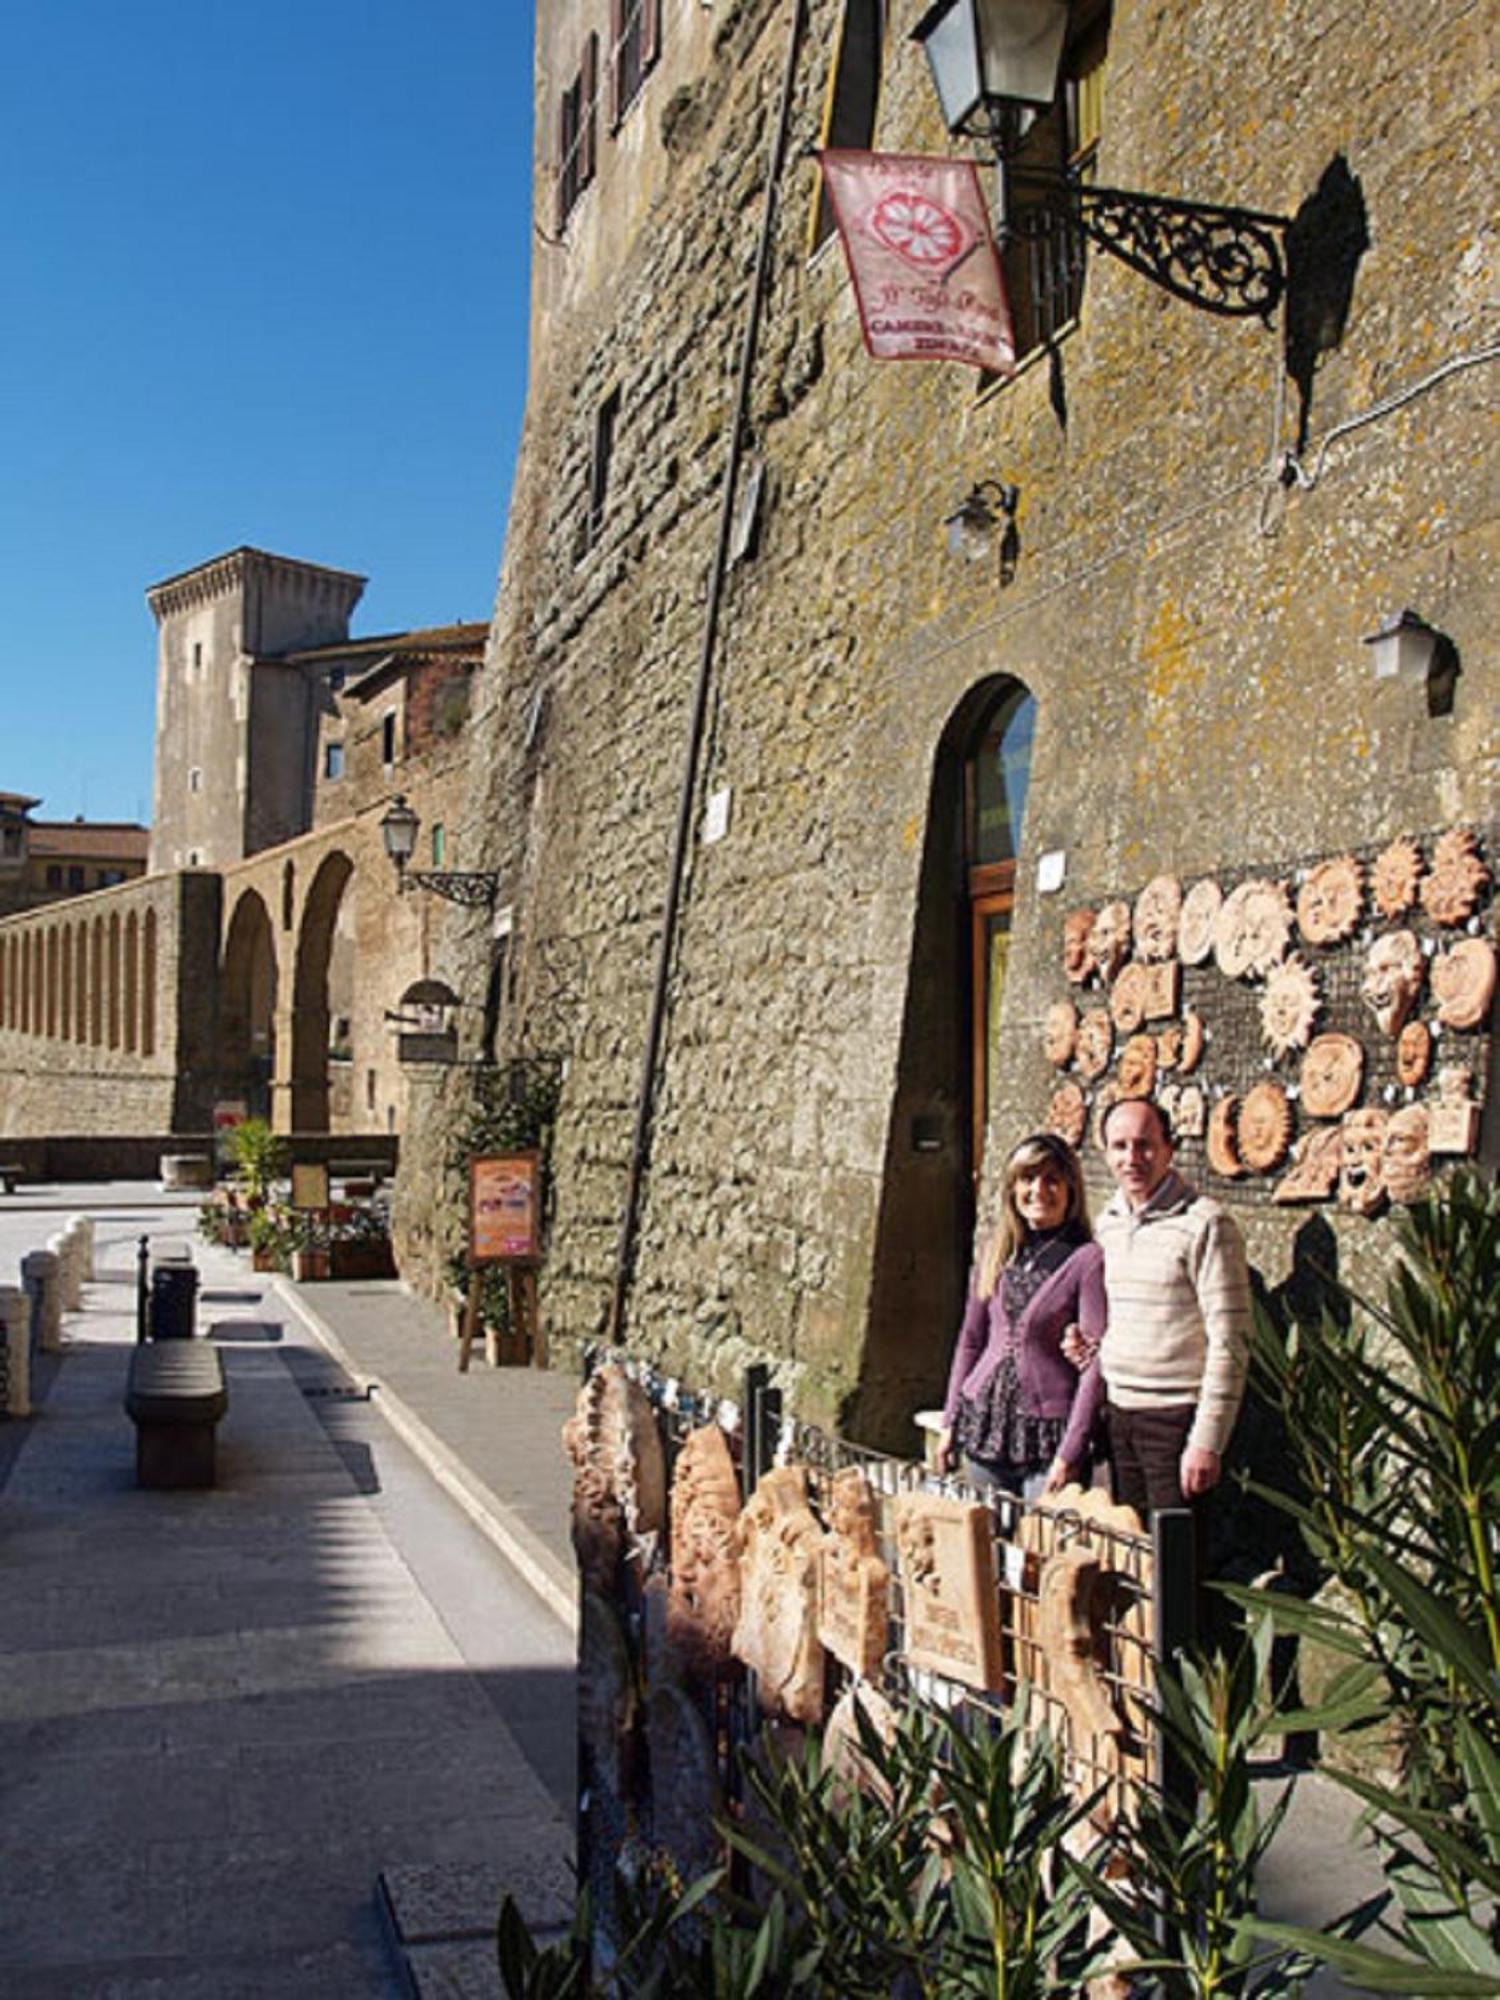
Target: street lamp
(992,61)
(398,832)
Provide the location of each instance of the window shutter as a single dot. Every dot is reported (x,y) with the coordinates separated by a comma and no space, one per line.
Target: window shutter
(589,112)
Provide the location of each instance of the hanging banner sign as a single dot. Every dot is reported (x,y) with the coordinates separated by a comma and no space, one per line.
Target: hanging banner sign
(922,258)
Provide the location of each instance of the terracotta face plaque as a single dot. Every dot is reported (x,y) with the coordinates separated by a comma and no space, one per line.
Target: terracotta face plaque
(1127,997)
(1393,978)
(1330,900)
(1169,1046)
(1263,1131)
(1252,930)
(853,1582)
(1066,1594)
(1195,927)
(1413,1054)
(1289,1006)
(946,1559)
(1362,1161)
(1109,940)
(703,1606)
(1059,1033)
(1096,1040)
(1223,1153)
(1463,981)
(1455,879)
(1315,1167)
(1332,1072)
(1137,1072)
(777,1632)
(1076,963)
(1395,876)
(619,1484)
(1193,1040)
(1067,1113)
(1189,1112)
(1453,1121)
(1407,1161)
(1158,910)
(1163,989)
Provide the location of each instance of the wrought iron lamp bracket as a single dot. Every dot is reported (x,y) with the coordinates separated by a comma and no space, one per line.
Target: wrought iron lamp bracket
(474,889)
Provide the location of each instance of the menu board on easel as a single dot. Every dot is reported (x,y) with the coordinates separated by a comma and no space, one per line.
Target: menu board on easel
(505,1228)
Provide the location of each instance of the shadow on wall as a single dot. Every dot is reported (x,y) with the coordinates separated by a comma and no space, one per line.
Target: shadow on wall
(1329,235)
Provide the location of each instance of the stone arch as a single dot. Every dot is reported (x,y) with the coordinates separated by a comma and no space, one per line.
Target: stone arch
(130,1000)
(247,1005)
(53,949)
(65,986)
(311,1013)
(148,985)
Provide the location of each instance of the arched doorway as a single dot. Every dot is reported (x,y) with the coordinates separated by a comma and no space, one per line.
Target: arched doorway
(247,1007)
(997,769)
(312,1014)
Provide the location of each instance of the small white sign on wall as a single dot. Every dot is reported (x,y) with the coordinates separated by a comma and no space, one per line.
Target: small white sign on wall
(716,815)
(1051,871)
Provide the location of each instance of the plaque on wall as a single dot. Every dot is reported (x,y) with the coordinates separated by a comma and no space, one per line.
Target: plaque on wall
(853,1582)
(946,1559)
(1195,928)
(1456,878)
(1252,930)
(1314,1172)
(1463,983)
(1158,911)
(1330,900)
(777,1631)
(1332,1071)
(1395,877)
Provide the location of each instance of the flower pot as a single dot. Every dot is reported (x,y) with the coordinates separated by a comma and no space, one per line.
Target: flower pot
(309,1265)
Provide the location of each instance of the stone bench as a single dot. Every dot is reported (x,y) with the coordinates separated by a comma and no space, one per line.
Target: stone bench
(175,1396)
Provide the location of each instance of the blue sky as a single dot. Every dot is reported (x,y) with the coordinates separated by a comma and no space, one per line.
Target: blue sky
(263,279)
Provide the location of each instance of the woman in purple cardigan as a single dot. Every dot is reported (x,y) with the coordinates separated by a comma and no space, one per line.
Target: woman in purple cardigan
(1018,1411)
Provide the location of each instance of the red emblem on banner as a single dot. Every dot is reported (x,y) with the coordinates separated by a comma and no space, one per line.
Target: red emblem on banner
(916,233)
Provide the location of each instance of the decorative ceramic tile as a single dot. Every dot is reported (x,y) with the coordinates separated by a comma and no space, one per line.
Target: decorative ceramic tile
(1263,1130)
(1289,1006)
(1315,1167)
(1456,878)
(1330,901)
(1252,930)
(1362,1161)
(1163,989)
(1463,983)
(1158,910)
(1395,876)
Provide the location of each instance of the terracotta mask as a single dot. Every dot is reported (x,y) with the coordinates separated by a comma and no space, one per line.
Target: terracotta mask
(1157,911)
(1075,946)
(1362,1161)
(1109,940)
(1393,979)
(1060,1032)
(1330,900)
(1407,1161)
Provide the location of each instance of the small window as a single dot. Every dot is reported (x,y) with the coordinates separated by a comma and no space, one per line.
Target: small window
(606,424)
(75,877)
(577,121)
(197,655)
(388,737)
(10,840)
(853,93)
(333,760)
(439,844)
(635,40)
(194,857)
(54,875)
(195,780)
(336,678)
(108,877)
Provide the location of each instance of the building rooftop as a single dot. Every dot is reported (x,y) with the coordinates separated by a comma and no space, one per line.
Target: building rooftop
(89,839)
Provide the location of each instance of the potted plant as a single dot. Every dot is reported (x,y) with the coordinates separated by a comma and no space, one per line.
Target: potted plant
(260,1159)
(310,1248)
(272,1231)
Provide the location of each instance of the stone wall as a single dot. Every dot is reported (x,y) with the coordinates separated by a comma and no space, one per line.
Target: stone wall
(1189,624)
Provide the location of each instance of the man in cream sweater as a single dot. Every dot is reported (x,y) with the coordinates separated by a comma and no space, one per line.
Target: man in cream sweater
(1176,1347)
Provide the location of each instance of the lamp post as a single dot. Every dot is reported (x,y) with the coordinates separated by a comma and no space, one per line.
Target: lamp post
(399,828)
(992,62)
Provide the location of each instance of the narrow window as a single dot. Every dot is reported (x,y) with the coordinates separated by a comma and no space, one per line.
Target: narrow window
(54,875)
(439,844)
(635,42)
(75,878)
(388,737)
(853,93)
(577,121)
(195,780)
(333,760)
(606,423)
(197,655)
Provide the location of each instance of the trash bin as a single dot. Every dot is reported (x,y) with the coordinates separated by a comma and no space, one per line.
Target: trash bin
(174,1298)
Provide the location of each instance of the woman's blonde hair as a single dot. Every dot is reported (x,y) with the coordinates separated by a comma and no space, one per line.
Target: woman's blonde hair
(1038,1150)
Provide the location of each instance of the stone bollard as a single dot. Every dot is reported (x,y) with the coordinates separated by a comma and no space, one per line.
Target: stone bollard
(77,1239)
(15,1341)
(83,1227)
(69,1287)
(43,1282)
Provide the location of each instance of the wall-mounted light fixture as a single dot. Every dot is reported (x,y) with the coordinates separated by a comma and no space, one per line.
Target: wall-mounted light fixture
(973,524)
(398,832)
(1404,646)
(994,65)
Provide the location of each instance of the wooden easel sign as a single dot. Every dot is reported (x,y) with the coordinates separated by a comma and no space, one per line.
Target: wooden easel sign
(505,1218)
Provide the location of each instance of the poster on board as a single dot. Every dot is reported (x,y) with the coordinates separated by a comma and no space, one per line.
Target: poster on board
(505,1209)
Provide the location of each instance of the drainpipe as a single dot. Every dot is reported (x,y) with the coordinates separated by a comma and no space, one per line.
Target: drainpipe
(640,1145)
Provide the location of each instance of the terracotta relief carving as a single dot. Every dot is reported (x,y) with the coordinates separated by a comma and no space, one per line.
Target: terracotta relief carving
(1109,940)
(777,1632)
(1189,1111)
(1413,1054)
(1067,1113)
(1107,1094)
(1361,1161)
(1263,1130)
(1223,1154)
(1289,1006)
(1393,975)
(704,1602)
(1195,927)
(685,1793)
(1252,930)
(1169,1046)
(1158,910)
(619,1481)
(1332,1071)
(1394,878)
(1136,1074)
(1096,1040)
(1194,1037)
(1060,1033)
(1330,901)
(1127,997)
(1407,1161)
(946,1559)
(1463,982)
(1453,1120)
(1315,1167)
(853,1582)
(1163,989)
(1070,1643)
(1456,878)
(1076,963)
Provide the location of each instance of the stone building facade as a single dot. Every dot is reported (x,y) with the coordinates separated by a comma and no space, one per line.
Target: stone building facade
(44,860)
(728,608)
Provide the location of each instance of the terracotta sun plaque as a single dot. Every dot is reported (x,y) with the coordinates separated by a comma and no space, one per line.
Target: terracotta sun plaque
(1195,927)
(1463,982)
(1067,1113)
(1289,1006)
(1194,1036)
(1189,1111)
(1407,1160)
(1252,930)
(853,1582)
(1263,1130)
(1223,1154)
(1413,1054)
(1362,1161)
(1315,1167)
(1158,910)
(1059,1033)
(619,1480)
(1395,876)
(1127,997)
(1163,989)
(703,1605)
(1330,900)
(1136,1074)
(1096,1040)
(1394,970)
(1076,963)
(1109,940)
(1331,1074)
(1455,879)
(777,1632)
(946,1559)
